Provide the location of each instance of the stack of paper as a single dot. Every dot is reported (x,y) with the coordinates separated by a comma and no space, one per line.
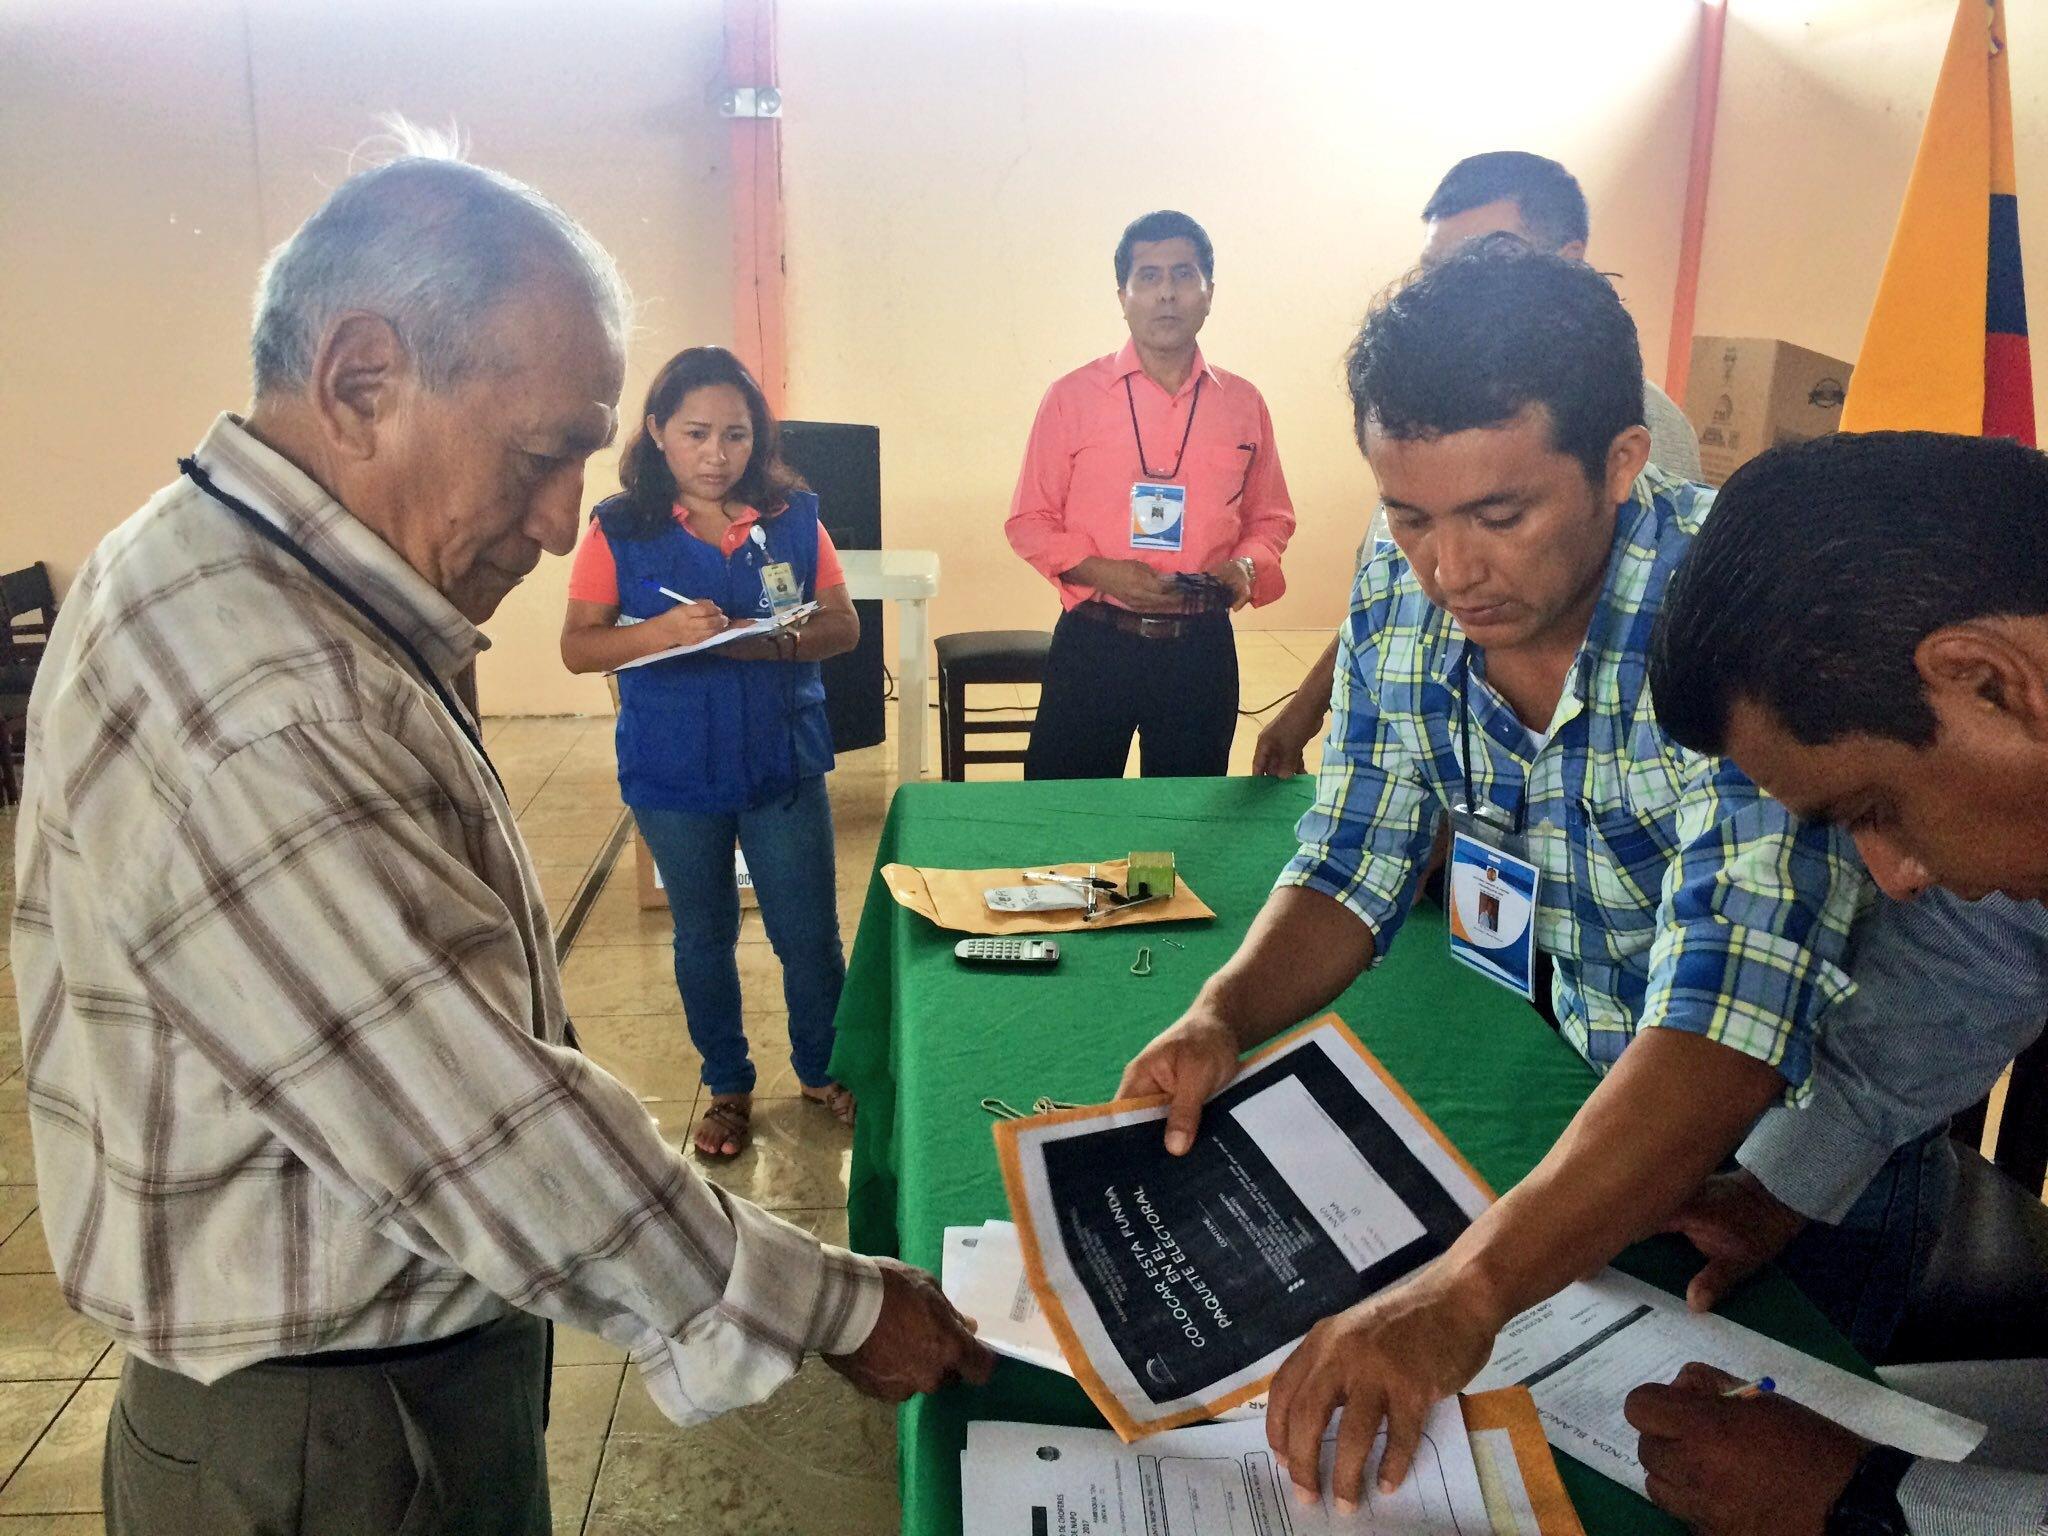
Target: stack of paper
(739,629)
(1481,1470)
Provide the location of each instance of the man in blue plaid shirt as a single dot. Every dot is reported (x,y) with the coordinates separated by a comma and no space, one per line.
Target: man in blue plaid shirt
(1497,660)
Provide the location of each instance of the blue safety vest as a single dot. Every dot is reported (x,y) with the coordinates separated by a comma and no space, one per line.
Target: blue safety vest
(701,733)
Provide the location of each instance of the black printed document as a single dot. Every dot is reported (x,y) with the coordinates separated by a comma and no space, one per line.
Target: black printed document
(1177,1285)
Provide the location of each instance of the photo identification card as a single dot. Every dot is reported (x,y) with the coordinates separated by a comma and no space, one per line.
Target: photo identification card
(1158,515)
(1493,912)
(779,585)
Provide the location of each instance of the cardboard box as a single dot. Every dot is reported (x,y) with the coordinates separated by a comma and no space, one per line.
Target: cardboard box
(1745,394)
(653,895)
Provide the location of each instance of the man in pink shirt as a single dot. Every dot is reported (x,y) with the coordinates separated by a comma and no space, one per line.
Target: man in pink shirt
(1151,497)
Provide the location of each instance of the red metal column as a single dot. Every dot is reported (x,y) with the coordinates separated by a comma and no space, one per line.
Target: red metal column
(1706,106)
(758,320)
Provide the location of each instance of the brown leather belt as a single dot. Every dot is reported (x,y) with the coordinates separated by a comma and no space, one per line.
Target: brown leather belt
(1147,626)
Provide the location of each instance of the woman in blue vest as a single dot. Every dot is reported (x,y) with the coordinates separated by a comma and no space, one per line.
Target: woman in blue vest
(729,745)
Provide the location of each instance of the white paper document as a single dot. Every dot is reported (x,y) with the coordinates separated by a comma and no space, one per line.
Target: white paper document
(981,1270)
(739,629)
(1211,1480)
(1583,1351)
(982,1273)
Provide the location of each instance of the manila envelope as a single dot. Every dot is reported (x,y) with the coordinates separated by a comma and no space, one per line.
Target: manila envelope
(952,899)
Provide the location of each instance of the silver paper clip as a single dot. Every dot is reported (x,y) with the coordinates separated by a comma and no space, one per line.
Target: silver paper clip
(1039,1106)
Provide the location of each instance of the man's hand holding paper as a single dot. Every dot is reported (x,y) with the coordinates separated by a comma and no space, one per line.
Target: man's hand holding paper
(919,1342)
(1188,1063)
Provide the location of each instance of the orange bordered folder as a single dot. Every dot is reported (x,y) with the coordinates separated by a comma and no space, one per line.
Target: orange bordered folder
(1177,1286)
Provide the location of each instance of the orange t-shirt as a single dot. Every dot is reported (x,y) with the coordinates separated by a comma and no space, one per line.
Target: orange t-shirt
(594,575)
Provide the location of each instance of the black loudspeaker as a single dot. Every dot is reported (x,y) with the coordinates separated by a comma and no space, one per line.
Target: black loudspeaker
(843,464)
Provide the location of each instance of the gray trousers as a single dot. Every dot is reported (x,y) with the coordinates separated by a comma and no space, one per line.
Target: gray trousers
(444,1438)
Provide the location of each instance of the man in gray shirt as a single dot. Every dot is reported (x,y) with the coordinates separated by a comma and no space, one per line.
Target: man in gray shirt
(1863,628)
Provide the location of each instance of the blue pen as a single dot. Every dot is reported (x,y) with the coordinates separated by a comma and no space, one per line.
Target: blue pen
(1755,1388)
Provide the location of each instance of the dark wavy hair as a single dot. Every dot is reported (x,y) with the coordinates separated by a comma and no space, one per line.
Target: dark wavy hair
(646,509)
(1823,567)
(1163,224)
(1498,327)
(1549,198)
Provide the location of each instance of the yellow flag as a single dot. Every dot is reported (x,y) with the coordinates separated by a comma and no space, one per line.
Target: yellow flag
(1946,347)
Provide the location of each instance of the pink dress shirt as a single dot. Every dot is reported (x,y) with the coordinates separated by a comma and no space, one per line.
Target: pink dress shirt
(1074,494)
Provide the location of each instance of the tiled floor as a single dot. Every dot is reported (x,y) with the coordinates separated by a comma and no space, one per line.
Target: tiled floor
(814,1459)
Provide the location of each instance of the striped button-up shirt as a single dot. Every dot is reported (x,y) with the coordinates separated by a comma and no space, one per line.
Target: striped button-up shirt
(292,1024)
(1673,891)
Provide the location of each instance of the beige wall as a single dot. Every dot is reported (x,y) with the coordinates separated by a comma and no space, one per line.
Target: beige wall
(1822,103)
(957,175)
(154,151)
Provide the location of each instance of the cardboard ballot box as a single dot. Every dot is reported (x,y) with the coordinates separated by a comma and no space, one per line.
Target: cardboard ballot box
(1745,394)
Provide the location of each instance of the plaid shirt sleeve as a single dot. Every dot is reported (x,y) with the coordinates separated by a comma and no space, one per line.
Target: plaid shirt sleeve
(316,935)
(1754,923)
(1364,841)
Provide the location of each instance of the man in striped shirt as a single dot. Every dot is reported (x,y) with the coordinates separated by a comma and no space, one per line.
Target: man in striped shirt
(311,1141)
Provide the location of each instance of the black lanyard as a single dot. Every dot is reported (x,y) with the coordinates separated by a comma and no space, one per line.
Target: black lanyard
(341,589)
(1487,812)
(1144,468)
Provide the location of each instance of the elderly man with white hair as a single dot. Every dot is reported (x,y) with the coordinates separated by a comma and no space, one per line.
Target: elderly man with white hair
(310,1137)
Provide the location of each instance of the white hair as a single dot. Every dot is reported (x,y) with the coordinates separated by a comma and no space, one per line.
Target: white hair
(431,243)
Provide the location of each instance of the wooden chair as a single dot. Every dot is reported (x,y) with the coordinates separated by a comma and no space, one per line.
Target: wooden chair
(31,604)
(17,675)
(2021,1151)
(983,656)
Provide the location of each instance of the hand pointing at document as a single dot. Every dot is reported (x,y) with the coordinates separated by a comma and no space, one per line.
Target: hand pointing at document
(1390,1358)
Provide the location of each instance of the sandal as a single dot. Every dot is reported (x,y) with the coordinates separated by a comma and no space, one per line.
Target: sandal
(836,1097)
(725,1130)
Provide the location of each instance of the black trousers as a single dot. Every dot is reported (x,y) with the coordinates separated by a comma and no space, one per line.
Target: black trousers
(1101,685)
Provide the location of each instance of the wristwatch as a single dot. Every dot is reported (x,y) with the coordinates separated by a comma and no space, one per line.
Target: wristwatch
(1869,1506)
(1244,563)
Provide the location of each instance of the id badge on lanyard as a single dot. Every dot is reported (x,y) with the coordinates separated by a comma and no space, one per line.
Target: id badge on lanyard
(779,584)
(1489,886)
(779,587)
(1158,515)
(1159,506)
(1490,892)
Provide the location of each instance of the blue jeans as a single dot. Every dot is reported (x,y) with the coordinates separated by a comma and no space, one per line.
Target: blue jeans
(1862,1271)
(788,844)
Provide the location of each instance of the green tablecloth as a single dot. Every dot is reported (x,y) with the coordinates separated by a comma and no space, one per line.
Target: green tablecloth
(923,1040)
